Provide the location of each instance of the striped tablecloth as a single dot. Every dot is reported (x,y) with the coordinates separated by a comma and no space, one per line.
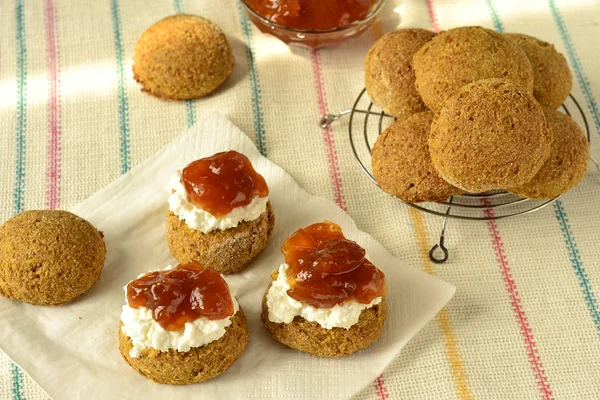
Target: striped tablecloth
(525,322)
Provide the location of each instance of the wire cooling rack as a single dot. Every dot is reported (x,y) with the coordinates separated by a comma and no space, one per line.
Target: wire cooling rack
(367,122)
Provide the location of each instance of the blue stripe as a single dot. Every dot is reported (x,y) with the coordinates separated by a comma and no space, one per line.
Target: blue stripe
(257,110)
(498,26)
(122,95)
(575,258)
(17,382)
(189,104)
(19,188)
(576,63)
(559,211)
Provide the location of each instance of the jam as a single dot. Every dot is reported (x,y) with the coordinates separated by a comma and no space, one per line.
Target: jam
(317,15)
(326,269)
(183,294)
(220,183)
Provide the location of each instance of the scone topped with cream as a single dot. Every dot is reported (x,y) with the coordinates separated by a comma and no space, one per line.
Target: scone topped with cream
(327,299)
(181,325)
(219,212)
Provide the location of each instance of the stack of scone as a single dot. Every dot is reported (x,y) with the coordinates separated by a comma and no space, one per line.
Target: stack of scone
(475,111)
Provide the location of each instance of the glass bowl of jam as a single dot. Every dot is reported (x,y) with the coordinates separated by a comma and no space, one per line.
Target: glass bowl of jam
(312,23)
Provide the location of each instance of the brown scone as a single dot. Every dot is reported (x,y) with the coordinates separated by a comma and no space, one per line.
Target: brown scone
(227,251)
(567,163)
(460,56)
(182,57)
(402,165)
(49,257)
(389,74)
(197,365)
(312,338)
(552,79)
(490,134)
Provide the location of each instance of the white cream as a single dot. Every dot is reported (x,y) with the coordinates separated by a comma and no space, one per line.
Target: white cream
(282,308)
(203,221)
(144,331)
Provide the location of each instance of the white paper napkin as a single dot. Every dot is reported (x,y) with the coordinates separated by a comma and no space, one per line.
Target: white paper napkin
(72,351)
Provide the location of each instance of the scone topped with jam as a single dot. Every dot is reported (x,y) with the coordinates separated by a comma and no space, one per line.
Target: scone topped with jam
(219,212)
(181,325)
(327,299)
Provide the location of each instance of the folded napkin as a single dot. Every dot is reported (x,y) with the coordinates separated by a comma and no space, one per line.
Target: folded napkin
(72,351)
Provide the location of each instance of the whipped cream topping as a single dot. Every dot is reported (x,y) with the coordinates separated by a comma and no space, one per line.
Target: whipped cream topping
(205,222)
(282,308)
(144,331)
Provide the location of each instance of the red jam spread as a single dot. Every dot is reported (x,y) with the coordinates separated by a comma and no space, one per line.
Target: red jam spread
(326,269)
(183,294)
(220,183)
(318,15)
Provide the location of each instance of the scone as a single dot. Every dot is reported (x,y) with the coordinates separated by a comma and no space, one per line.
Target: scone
(460,56)
(49,257)
(389,74)
(402,165)
(182,57)
(219,213)
(490,134)
(552,79)
(327,299)
(567,163)
(169,336)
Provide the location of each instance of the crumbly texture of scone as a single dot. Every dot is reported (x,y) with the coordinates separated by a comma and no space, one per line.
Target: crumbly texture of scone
(489,135)
(49,257)
(552,78)
(567,163)
(460,56)
(182,57)
(312,338)
(227,251)
(197,365)
(389,73)
(402,165)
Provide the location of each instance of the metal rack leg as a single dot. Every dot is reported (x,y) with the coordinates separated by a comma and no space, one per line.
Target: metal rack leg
(440,245)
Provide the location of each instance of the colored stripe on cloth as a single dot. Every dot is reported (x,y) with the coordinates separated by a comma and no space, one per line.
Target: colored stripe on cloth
(451,345)
(576,63)
(380,388)
(257,109)
(334,171)
(435,26)
(457,365)
(17,382)
(122,95)
(189,104)
(19,188)
(494,16)
(586,288)
(53,172)
(515,301)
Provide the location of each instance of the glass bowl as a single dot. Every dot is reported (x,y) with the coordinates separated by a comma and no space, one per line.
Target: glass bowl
(313,38)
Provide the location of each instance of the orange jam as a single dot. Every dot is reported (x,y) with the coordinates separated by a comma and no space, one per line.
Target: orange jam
(326,269)
(318,15)
(183,294)
(220,183)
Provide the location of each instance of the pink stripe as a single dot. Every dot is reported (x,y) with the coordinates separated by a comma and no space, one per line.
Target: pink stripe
(380,389)
(332,157)
(515,300)
(435,26)
(53,172)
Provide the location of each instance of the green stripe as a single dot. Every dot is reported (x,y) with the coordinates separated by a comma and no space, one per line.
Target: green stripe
(19,188)
(584,83)
(178,4)
(498,26)
(257,109)
(17,382)
(122,95)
